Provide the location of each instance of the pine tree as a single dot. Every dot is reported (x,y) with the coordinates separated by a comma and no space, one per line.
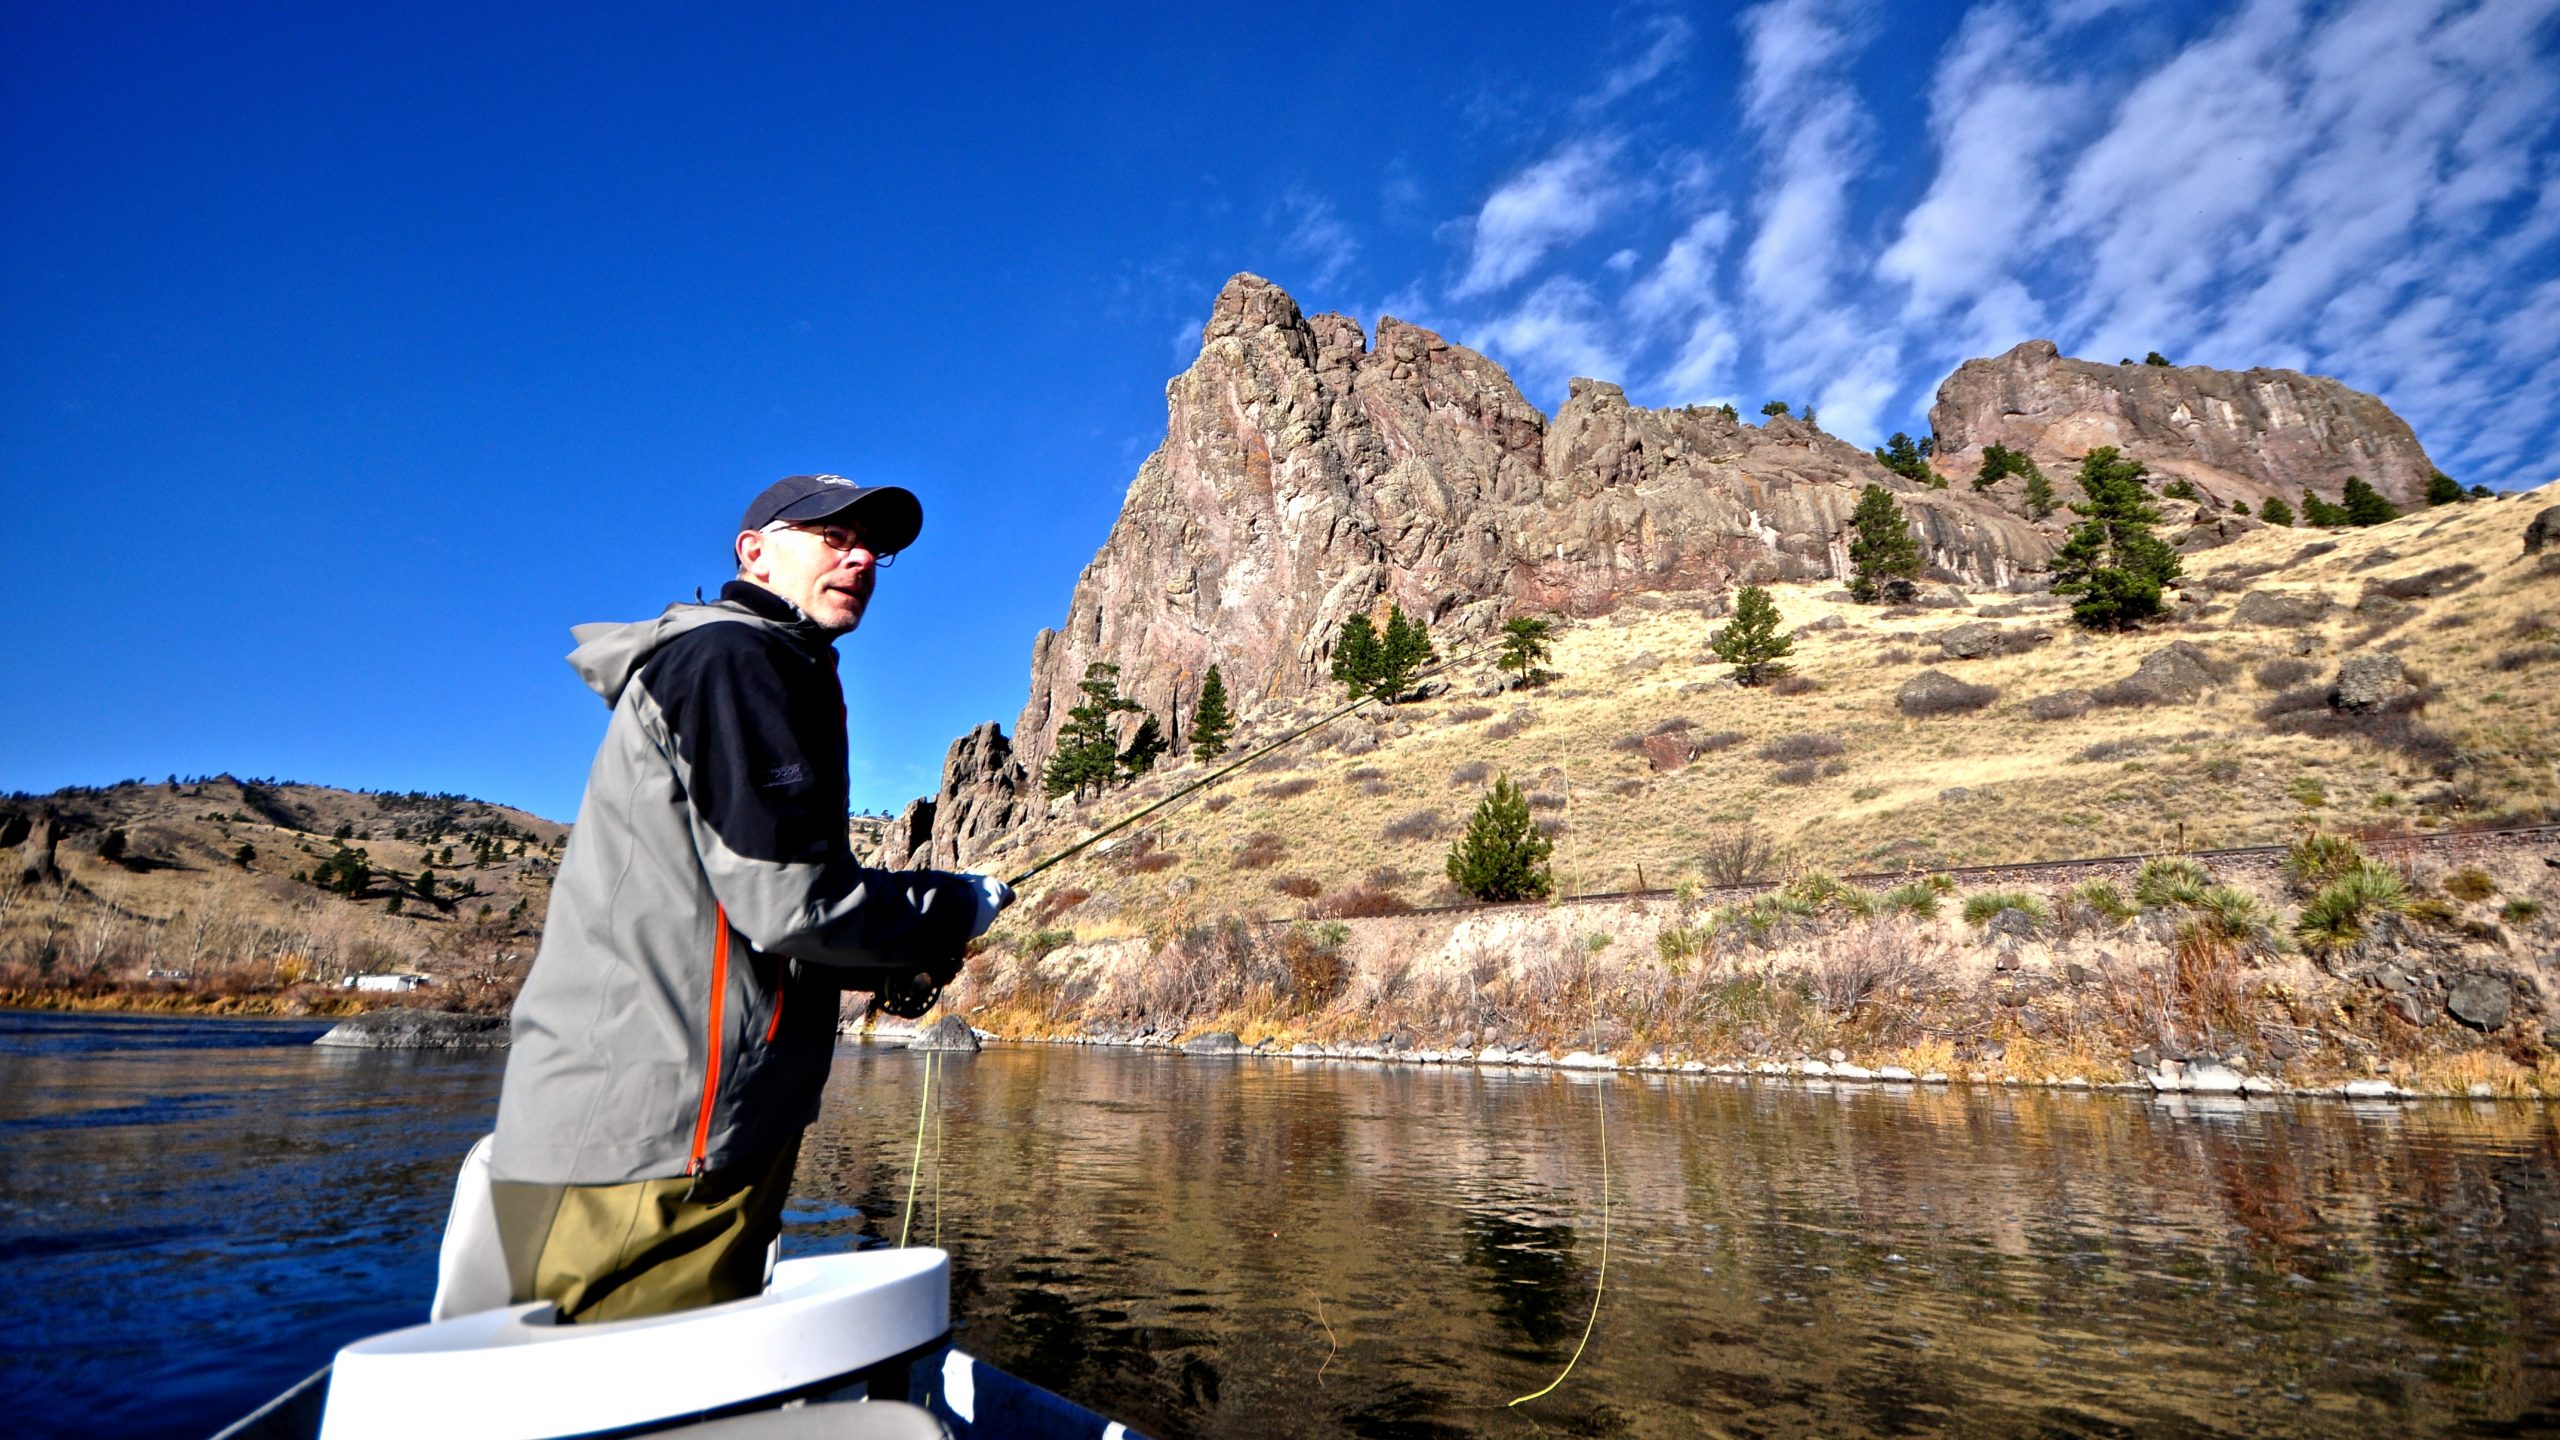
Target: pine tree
(1774,407)
(1882,555)
(2155,358)
(1911,461)
(1356,656)
(427,883)
(2112,561)
(1502,856)
(2039,496)
(1144,749)
(2320,514)
(246,853)
(2276,512)
(2364,504)
(1402,652)
(2443,489)
(1753,644)
(111,846)
(1525,646)
(1211,725)
(1086,759)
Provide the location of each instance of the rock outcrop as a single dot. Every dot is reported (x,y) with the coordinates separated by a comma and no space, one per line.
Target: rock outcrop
(403,1029)
(1309,472)
(2233,434)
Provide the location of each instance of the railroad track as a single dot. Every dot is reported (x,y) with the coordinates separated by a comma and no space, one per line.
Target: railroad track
(2095,867)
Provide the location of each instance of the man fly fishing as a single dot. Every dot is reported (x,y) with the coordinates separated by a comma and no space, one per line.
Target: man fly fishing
(679,1021)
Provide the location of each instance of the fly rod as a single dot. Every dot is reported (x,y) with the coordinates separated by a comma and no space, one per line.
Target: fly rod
(1214,776)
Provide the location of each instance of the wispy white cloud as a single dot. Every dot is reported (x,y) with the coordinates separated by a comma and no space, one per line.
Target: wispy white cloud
(1554,202)
(2364,188)
(1558,331)
(1318,236)
(1661,41)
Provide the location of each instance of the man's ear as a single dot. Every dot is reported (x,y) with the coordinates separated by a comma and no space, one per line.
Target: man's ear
(750,549)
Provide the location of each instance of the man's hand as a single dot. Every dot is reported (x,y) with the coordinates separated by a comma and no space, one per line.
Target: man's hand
(993,896)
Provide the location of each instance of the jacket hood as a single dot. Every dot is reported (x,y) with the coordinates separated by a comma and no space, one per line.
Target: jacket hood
(610,652)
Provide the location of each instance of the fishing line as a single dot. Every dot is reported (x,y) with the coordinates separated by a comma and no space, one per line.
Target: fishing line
(1217,775)
(915,1164)
(1600,1287)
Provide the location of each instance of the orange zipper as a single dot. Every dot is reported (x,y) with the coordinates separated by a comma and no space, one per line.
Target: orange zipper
(711,1070)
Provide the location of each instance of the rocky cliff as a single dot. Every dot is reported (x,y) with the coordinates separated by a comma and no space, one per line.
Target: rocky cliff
(2234,434)
(1310,471)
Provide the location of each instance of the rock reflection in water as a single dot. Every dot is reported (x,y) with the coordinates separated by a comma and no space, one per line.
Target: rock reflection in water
(1153,1235)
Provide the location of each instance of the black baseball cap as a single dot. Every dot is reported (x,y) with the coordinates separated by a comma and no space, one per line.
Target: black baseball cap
(890,517)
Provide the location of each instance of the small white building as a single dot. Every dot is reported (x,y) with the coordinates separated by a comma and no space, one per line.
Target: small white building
(393,981)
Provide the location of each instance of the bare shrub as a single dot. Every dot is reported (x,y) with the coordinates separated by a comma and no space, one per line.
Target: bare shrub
(1942,694)
(1297,887)
(1551,826)
(1677,724)
(1466,715)
(2128,693)
(1260,851)
(1803,772)
(1153,861)
(1895,655)
(1862,966)
(2442,580)
(1632,740)
(1474,772)
(1803,745)
(1273,763)
(1794,684)
(1546,800)
(1363,774)
(1285,789)
(1059,902)
(2281,674)
(1721,740)
(1413,825)
(2522,656)
(1359,902)
(2106,750)
(1738,855)
(1217,802)
(2061,705)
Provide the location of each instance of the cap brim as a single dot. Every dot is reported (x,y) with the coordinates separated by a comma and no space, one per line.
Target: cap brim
(890,517)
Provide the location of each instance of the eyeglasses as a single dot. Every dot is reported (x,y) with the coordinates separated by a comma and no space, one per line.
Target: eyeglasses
(842,539)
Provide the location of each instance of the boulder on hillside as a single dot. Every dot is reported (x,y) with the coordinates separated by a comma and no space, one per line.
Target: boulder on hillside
(2480,1000)
(1935,692)
(2544,529)
(2369,680)
(2174,674)
(2282,609)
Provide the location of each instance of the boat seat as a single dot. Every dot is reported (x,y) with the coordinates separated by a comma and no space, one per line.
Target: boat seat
(515,1373)
(876,1420)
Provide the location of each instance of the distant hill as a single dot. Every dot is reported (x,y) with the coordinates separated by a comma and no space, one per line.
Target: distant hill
(268,892)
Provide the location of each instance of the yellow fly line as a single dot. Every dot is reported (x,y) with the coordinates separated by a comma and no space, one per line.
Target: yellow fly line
(1590,983)
(915,1164)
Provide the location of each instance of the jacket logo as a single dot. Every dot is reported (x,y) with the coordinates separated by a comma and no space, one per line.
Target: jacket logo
(782,775)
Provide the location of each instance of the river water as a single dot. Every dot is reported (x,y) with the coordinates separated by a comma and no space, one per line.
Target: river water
(193,1214)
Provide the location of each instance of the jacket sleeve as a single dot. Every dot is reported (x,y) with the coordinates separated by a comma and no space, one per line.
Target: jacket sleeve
(757,755)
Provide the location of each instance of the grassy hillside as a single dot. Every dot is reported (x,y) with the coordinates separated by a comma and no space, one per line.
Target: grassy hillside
(1642,757)
(223,887)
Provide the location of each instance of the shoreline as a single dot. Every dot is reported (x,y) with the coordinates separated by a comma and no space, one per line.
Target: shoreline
(2192,1080)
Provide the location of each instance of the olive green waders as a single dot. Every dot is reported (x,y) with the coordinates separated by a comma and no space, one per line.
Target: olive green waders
(621,1252)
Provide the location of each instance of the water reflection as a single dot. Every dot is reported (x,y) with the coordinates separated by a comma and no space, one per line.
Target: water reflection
(193,1213)
(1190,1243)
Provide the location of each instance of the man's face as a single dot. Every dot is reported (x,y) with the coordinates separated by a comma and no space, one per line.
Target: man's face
(819,565)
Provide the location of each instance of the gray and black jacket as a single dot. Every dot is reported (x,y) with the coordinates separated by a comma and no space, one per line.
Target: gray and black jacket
(681,1012)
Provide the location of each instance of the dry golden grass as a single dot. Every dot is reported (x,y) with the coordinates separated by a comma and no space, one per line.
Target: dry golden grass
(2201,775)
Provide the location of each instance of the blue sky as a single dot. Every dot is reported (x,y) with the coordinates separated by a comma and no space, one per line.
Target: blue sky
(354,355)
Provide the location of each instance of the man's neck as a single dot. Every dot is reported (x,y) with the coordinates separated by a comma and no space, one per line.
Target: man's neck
(773,606)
